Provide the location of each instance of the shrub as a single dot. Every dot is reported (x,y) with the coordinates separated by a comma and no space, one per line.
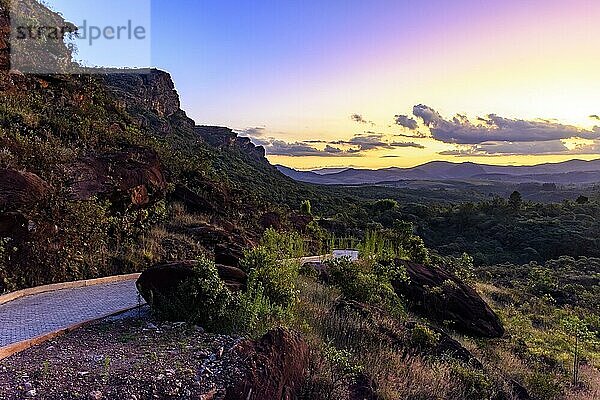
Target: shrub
(306,207)
(478,385)
(276,277)
(544,386)
(366,282)
(252,312)
(283,245)
(423,337)
(202,299)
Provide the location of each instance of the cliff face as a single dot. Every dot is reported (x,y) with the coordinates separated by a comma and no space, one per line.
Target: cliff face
(4,38)
(225,138)
(49,54)
(152,100)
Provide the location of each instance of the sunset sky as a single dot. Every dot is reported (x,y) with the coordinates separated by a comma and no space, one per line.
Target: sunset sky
(380,83)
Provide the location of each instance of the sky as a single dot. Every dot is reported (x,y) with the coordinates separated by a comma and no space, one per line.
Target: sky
(383,83)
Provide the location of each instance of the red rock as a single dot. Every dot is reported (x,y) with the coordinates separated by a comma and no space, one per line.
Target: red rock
(164,278)
(132,176)
(20,189)
(457,302)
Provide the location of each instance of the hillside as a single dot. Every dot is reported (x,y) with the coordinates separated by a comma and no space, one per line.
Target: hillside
(109,161)
(454,294)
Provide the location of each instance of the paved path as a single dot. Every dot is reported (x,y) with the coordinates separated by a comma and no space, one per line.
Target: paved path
(33,316)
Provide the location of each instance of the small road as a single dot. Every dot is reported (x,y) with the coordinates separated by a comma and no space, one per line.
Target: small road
(29,317)
(37,315)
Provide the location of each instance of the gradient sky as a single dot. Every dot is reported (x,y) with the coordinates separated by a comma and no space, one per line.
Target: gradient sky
(288,72)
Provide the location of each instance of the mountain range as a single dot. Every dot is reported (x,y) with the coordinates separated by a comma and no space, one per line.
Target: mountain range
(568,172)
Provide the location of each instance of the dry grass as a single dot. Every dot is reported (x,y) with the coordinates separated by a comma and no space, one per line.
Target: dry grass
(179,216)
(590,389)
(398,373)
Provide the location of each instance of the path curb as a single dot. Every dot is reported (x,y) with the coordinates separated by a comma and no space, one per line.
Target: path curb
(66,285)
(18,347)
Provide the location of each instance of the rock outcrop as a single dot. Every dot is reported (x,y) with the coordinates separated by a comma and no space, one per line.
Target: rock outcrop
(192,200)
(133,176)
(150,97)
(4,40)
(165,278)
(20,189)
(446,346)
(13,225)
(274,367)
(40,56)
(439,295)
(225,138)
(400,335)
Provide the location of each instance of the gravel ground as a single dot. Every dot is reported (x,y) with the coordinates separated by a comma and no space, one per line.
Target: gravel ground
(129,357)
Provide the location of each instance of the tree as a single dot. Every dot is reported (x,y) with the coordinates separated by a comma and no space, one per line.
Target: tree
(581,334)
(385,205)
(515,200)
(306,207)
(582,199)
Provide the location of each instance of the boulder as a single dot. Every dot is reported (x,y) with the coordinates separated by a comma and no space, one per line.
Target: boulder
(399,335)
(132,176)
(192,200)
(271,220)
(165,278)
(274,367)
(20,189)
(228,243)
(229,254)
(439,295)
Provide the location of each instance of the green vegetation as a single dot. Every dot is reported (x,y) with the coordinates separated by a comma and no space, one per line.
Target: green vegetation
(201,299)
(537,265)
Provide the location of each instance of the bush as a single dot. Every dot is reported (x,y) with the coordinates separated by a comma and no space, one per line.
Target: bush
(283,245)
(367,283)
(202,299)
(276,277)
(252,312)
(423,337)
(270,295)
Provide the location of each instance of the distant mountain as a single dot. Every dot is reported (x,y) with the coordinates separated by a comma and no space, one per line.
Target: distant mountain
(568,172)
(327,171)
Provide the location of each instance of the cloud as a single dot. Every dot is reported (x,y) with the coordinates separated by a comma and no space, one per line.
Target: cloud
(406,122)
(374,141)
(252,132)
(427,114)
(407,144)
(368,142)
(415,135)
(517,148)
(503,148)
(359,118)
(596,117)
(494,128)
(333,150)
(277,147)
